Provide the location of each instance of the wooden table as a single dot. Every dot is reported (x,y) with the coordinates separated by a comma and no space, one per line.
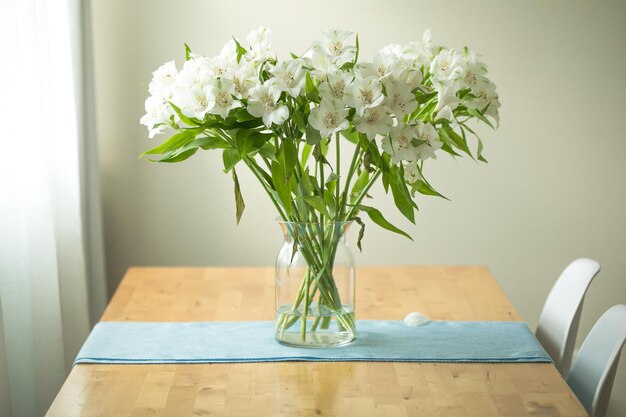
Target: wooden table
(312,389)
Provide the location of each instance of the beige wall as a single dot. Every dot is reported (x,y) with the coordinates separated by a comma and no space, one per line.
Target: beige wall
(555,187)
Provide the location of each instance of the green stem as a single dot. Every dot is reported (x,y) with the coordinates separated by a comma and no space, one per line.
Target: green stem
(338,184)
(371,182)
(351,170)
(318,248)
(253,167)
(307,301)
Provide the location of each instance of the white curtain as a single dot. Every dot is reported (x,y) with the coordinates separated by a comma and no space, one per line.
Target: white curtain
(52,283)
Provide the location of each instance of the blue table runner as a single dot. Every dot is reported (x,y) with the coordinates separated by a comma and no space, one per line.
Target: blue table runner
(377,340)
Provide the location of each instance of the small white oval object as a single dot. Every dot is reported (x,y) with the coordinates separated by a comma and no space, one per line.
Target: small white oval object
(416,319)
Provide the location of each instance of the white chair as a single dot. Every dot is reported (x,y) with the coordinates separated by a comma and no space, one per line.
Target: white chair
(559,319)
(593,372)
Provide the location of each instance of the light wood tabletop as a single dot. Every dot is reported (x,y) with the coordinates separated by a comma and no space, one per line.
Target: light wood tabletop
(312,388)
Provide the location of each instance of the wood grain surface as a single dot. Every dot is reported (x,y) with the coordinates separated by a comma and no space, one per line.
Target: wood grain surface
(312,389)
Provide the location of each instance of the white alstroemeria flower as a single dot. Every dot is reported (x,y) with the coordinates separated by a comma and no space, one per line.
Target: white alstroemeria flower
(244,78)
(483,93)
(374,121)
(381,66)
(446,68)
(223,90)
(431,142)
(221,67)
(446,96)
(263,102)
(411,173)
(224,64)
(261,35)
(422,53)
(392,49)
(444,113)
(474,71)
(400,143)
(334,44)
(229,51)
(164,81)
(260,45)
(329,117)
(195,101)
(406,73)
(493,110)
(289,76)
(364,93)
(322,65)
(486,99)
(400,100)
(196,74)
(335,85)
(157,117)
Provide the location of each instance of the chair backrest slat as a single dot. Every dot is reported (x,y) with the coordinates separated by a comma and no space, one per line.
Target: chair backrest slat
(559,319)
(593,372)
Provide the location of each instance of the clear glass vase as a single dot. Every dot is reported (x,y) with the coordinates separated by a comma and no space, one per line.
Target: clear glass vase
(315,279)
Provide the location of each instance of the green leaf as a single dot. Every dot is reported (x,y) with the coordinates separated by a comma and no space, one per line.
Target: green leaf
(268,151)
(302,190)
(187,120)
(374,157)
(305,182)
(359,185)
(479,115)
(171,157)
(423,187)
(377,217)
(318,154)
(313,183)
(458,141)
(347,66)
(230,158)
(356,55)
(367,162)
(318,203)
(288,156)
(248,141)
(423,112)
(351,135)
(361,232)
(313,137)
(386,183)
(240,205)
(306,152)
(401,195)
(448,148)
(331,204)
(479,151)
(311,90)
(422,97)
(208,143)
(241,51)
(187,53)
(331,178)
(294,248)
(447,143)
(281,186)
(298,119)
(242,115)
(174,142)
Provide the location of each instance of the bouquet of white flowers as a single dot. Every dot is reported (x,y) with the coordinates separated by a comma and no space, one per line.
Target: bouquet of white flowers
(285,119)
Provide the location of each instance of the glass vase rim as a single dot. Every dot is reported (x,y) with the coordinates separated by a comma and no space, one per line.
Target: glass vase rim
(296,223)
